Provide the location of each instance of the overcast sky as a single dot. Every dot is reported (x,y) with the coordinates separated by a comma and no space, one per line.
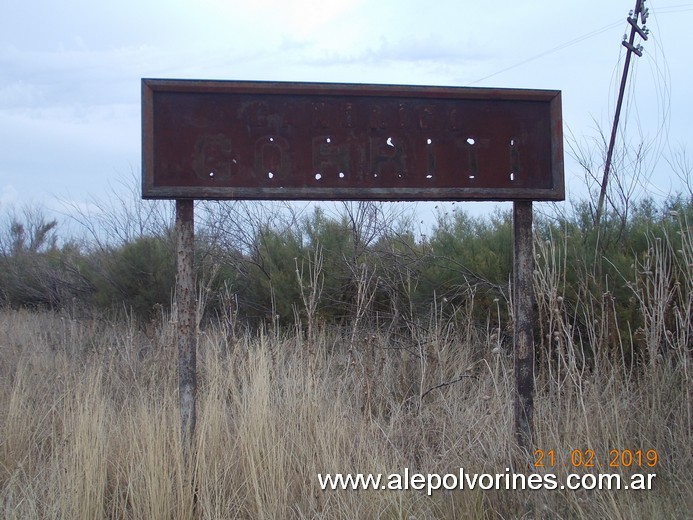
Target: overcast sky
(70,70)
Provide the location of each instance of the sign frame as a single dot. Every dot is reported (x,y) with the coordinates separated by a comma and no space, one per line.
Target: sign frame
(181,117)
(188,149)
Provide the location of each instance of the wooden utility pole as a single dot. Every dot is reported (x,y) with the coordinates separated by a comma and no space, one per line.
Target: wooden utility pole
(630,45)
(187,321)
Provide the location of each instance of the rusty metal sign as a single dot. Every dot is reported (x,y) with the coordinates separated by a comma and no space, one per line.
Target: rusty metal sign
(319,141)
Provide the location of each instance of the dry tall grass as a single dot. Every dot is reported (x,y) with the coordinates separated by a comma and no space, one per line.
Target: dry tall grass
(89,425)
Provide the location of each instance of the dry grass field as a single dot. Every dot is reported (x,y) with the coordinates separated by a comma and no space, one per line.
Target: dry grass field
(89,424)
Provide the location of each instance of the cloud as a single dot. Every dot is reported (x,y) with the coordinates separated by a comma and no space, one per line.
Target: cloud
(51,149)
(299,20)
(70,76)
(19,93)
(8,196)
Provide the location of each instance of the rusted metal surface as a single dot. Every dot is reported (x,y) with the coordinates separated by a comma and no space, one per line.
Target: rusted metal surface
(187,321)
(316,141)
(523,311)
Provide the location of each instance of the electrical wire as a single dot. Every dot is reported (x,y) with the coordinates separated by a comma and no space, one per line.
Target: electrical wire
(552,50)
(651,146)
(670,9)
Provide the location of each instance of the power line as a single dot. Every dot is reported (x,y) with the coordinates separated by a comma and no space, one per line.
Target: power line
(674,8)
(669,9)
(554,49)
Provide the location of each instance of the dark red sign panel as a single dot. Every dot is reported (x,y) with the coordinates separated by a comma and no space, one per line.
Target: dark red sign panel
(318,141)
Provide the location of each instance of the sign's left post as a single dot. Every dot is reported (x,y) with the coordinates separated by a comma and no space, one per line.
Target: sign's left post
(186,308)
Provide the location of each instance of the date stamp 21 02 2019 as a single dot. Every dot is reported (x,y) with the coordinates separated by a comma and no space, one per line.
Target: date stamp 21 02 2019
(587,459)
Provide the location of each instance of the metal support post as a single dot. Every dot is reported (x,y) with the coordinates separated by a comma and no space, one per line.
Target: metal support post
(523,302)
(187,321)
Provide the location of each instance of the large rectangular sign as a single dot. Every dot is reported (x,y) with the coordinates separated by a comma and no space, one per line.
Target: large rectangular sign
(319,141)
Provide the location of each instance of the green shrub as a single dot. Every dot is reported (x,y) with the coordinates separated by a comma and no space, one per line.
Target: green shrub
(135,277)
